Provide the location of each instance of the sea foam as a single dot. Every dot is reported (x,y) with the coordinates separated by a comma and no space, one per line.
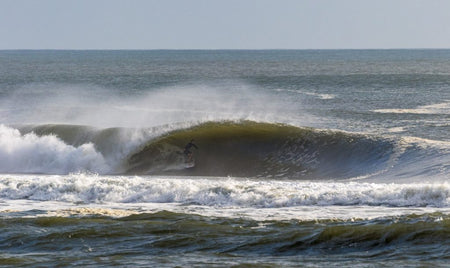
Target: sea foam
(30,153)
(220,192)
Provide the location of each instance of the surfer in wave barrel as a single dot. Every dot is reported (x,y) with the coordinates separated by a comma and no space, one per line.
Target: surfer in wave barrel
(187,150)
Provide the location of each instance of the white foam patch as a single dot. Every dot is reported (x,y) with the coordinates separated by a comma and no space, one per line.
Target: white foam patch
(396,129)
(33,209)
(322,96)
(30,153)
(425,143)
(438,108)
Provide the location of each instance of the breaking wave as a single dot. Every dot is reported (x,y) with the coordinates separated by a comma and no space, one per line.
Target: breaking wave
(31,153)
(229,148)
(250,149)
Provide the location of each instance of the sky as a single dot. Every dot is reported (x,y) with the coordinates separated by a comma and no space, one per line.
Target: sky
(224,24)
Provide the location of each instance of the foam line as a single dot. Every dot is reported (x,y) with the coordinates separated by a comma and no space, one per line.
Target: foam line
(225,192)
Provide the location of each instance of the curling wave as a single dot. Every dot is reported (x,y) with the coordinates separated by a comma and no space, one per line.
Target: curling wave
(229,148)
(250,149)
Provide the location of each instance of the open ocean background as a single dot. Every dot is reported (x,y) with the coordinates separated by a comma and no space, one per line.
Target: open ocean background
(313,158)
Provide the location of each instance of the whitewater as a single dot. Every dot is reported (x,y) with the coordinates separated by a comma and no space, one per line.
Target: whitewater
(314,158)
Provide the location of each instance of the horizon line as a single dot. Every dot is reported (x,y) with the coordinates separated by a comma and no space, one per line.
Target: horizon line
(211,49)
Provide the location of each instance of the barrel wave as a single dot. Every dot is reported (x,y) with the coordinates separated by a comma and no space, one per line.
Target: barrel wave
(251,149)
(226,148)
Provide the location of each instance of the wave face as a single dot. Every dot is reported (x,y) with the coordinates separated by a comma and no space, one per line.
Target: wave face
(250,149)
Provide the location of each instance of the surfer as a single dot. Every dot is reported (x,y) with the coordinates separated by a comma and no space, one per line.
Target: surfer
(187,150)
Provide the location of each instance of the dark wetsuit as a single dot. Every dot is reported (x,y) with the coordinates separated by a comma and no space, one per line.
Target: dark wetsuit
(187,148)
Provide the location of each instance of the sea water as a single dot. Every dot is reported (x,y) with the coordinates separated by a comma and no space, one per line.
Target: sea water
(305,158)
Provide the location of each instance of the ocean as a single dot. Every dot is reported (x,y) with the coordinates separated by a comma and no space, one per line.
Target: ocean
(304,158)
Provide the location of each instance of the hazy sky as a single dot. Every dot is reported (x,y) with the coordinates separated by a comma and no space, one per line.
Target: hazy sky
(228,24)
